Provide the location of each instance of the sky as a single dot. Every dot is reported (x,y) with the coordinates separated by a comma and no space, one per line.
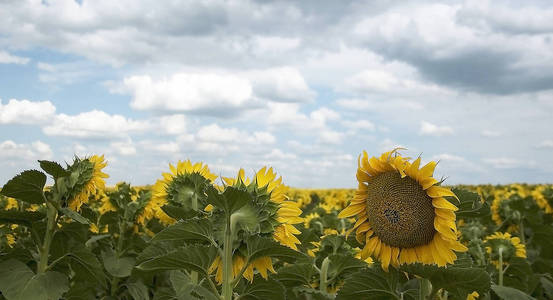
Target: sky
(302,86)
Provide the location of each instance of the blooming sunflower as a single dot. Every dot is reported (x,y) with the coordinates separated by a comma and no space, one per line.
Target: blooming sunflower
(92,178)
(541,200)
(170,188)
(402,215)
(510,245)
(262,265)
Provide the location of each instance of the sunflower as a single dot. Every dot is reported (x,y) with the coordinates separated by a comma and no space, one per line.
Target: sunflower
(510,245)
(92,179)
(539,197)
(402,215)
(169,188)
(285,215)
(473,296)
(288,212)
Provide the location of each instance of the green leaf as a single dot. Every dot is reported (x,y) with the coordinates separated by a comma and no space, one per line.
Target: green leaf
(25,218)
(458,281)
(117,266)
(370,284)
(179,213)
(74,215)
(262,289)
(181,283)
(138,290)
(53,168)
(27,186)
(260,247)
(296,275)
(547,284)
(18,282)
(193,258)
(194,230)
(231,200)
(470,205)
(508,293)
(342,265)
(87,267)
(245,218)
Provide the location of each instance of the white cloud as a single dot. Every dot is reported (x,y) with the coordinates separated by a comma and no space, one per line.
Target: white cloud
(67,72)
(490,133)
(448,158)
(213,133)
(546,144)
(264,45)
(123,148)
(503,162)
(7,58)
(9,150)
(94,124)
(428,128)
(26,112)
(364,125)
(187,92)
(277,154)
(372,105)
(285,84)
(173,124)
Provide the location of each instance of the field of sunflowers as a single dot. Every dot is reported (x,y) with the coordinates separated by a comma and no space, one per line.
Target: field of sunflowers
(402,234)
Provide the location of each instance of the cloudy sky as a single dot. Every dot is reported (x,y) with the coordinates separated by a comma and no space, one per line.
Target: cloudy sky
(303,86)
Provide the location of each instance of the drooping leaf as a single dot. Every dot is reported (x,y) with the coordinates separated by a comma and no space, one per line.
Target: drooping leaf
(25,218)
(296,274)
(18,282)
(260,247)
(138,290)
(341,265)
(74,215)
(194,258)
(370,283)
(86,266)
(117,266)
(53,168)
(262,289)
(509,293)
(27,186)
(193,230)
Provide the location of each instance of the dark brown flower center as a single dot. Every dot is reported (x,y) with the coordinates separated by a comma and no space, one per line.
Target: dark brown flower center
(399,211)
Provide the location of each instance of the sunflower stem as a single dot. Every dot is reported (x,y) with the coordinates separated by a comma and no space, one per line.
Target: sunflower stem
(324,275)
(521,227)
(194,274)
(51,215)
(227,263)
(500,266)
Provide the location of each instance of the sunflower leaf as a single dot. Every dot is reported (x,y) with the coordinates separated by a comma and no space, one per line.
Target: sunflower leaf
(470,205)
(74,215)
(194,258)
(260,247)
(53,168)
(296,274)
(20,217)
(27,186)
(231,200)
(263,290)
(193,230)
(457,281)
(370,283)
(509,293)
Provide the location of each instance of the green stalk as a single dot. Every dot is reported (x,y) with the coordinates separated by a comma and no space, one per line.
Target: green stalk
(118,249)
(521,228)
(227,263)
(194,274)
(425,288)
(51,216)
(324,275)
(500,267)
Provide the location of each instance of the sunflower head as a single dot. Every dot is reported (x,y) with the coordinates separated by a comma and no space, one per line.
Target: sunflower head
(402,215)
(276,213)
(86,177)
(509,246)
(182,188)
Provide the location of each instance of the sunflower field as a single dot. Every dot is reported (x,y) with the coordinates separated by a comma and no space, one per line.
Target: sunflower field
(402,234)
